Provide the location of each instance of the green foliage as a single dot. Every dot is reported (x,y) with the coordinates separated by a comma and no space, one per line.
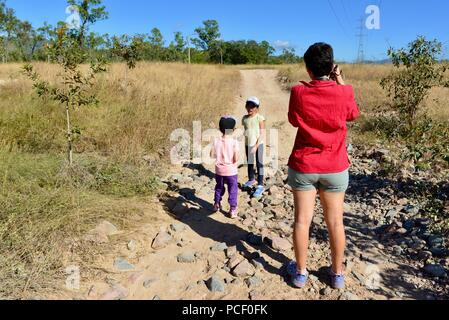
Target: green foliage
(130,50)
(430,145)
(177,49)
(289,56)
(13,32)
(75,86)
(247,52)
(156,38)
(419,71)
(426,144)
(208,35)
(155,50)
(19,41)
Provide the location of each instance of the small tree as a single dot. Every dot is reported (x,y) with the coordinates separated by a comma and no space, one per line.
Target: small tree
(419,71)
(209,40)
(207,35)
(176,50)
(156,45)
(289,56)
(73,89)
(130,50)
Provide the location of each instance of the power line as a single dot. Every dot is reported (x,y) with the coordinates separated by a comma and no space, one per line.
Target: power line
(346,11)
(338,19)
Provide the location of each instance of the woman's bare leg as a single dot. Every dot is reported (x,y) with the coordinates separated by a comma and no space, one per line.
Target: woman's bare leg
(333,206)
(304,209)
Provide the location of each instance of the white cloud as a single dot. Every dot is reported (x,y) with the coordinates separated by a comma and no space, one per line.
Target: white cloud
(282,44)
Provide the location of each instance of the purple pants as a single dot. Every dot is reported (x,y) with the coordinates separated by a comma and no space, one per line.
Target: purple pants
(233,188)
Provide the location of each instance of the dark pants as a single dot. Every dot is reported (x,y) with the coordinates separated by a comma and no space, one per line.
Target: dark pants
(233,188)
(256,160)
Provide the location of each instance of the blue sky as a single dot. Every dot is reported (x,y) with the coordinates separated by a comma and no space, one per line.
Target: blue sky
(297,23)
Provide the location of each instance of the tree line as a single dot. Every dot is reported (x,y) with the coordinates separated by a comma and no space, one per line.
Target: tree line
(21,42)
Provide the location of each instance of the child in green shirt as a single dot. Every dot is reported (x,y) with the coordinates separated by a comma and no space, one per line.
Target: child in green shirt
(254,124)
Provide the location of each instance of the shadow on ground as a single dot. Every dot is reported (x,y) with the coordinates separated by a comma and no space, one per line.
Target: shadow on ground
(363,242)
(200,221)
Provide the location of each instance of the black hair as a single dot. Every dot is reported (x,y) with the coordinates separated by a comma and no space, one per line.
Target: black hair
(226,124)
(319,59)
(252,105)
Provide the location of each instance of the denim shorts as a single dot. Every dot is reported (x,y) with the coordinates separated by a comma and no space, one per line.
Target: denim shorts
(336,182)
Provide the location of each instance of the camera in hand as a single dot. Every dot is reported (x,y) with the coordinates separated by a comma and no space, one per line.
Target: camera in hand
(335,73)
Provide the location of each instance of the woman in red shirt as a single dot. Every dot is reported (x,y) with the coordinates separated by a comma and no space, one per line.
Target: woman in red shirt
(319,162)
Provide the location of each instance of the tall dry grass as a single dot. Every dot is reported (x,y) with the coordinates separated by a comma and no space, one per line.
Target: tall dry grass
(43,204)
(136,113)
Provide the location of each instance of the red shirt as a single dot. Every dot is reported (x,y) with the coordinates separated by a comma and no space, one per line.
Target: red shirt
(320,111)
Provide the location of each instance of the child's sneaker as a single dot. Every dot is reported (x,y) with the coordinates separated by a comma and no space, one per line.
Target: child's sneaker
(249,185)
(234,214)
(337,281)
(259,192)
(299,280)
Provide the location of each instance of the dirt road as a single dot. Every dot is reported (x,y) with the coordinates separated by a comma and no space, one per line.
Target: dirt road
(197,246)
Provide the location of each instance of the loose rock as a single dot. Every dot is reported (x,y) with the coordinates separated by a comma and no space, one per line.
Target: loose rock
(178,227)
(161,241)
(234,261)
(230,252)
(255,296)
(132,245)
(215,284)
(244,270)
(279,244)
(258,263)
(187,257)
(349,296)
(116,293)
(101,233)
(219,247)
(253,282)
(123,265)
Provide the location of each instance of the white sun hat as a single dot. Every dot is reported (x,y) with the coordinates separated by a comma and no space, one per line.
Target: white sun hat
(254,100)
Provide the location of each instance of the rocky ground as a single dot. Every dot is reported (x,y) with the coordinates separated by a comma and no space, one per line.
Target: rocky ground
(200,255)
(184,251)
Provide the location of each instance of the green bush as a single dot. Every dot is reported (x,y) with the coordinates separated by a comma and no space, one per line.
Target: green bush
(418,72)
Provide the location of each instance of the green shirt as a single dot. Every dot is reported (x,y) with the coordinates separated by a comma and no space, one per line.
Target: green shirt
(252,128)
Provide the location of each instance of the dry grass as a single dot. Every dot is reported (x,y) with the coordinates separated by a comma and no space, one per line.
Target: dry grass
(369,94)
(135,116)
(44,205)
